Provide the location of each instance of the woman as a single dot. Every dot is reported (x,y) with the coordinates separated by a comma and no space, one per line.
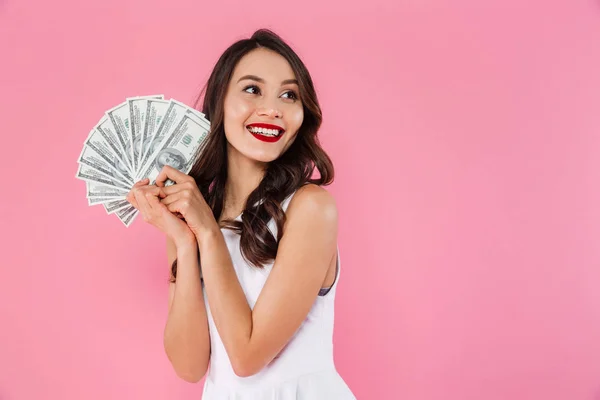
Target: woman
(257,302)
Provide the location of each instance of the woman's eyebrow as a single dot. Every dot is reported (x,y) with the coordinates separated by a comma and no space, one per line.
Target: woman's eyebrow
(261,80)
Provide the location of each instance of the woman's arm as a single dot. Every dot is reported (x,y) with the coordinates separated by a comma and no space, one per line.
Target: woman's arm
(253,338)
(186,335)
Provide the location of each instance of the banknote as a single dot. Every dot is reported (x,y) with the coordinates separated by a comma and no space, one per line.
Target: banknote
(127,215)
(173,116)
(88,173)
(97,142)
(180,147)
(90,158)
(137,116)
(95,189)
(156,110)
(92,201)
(113,139)
(115,205)
(119,118)
(135,140)
(198,113)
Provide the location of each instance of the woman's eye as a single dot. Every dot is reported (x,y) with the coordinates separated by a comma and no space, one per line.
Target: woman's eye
(291,95)
(253,87)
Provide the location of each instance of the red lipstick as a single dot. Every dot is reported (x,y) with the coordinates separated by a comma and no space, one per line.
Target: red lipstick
(266,137)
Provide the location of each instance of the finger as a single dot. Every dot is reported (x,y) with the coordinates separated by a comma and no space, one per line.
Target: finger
(144,197)
(169,190)
(143,182)
(130,196)
(142,204)
(131,199)
(171,198)
(176,206)
(161,208)
(168,172)
(156,205)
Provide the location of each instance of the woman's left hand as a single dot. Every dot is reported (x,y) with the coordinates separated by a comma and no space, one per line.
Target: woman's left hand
(185,198)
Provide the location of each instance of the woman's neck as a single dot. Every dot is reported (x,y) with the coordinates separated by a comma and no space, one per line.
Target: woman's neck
(243,176)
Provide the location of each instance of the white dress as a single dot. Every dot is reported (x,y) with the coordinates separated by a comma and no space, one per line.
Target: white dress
(303,370)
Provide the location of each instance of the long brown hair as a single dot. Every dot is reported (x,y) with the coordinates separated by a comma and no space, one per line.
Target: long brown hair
(283,176)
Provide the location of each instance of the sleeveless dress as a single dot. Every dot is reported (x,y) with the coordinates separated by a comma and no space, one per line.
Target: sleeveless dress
(303,370)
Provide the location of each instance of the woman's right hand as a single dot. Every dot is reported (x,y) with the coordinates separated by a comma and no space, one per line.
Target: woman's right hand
(146,199)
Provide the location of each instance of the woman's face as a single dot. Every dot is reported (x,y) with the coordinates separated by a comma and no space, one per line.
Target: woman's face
(262,110)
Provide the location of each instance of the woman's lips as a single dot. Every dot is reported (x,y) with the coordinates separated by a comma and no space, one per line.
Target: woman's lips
(264,138)
(266,126)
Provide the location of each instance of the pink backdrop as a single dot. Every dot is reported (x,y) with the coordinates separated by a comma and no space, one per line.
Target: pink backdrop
(466,137)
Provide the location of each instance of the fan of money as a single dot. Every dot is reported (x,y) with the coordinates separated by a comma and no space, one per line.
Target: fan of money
(133,141)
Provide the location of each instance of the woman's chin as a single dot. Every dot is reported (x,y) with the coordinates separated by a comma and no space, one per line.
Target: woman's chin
(259,157)
(263,158)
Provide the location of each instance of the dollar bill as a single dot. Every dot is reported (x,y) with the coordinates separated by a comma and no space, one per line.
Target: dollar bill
(93,201)
(97,142)
(115,205)
(173,116)
(127,215)
(180,147)
(109,132)
(155,112)
(119,117)
(99,190)
(93,159)
(88,173)
(190,109)
(137,115)
(128,220)
(125,212)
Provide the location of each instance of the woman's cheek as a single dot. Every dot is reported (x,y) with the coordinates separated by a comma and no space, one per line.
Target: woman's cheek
(236,114)
(241,109)
(297,117)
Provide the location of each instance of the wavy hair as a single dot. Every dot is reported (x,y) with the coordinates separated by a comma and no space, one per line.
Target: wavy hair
(293,169)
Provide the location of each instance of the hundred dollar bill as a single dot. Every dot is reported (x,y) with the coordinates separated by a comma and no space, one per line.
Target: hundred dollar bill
(193,110)
(173,116)
(115,205)
(98,143)
(119,117)
(99,190)
(87,173)
(127,215)
(93,159)
(155,112)
(109,132)
(128,220)
(137,115)
(180,148)
(93,201)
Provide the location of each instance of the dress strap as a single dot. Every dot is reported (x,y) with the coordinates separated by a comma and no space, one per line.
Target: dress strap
(324,291)
(286,202)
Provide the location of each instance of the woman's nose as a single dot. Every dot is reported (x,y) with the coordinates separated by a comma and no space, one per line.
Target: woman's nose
(269,111)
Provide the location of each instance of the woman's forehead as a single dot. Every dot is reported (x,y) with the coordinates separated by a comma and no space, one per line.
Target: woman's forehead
(264,64)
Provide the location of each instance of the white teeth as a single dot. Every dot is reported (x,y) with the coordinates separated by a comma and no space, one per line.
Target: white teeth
(264,131)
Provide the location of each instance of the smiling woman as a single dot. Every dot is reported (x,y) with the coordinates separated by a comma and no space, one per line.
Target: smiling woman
(264,102)
(251,236)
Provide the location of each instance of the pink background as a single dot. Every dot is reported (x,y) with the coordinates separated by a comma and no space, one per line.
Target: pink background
(466,136)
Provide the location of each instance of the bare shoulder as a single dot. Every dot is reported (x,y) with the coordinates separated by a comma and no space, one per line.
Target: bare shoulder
(315,203)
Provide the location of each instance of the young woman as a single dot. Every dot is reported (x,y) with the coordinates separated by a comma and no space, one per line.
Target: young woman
(251,236)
